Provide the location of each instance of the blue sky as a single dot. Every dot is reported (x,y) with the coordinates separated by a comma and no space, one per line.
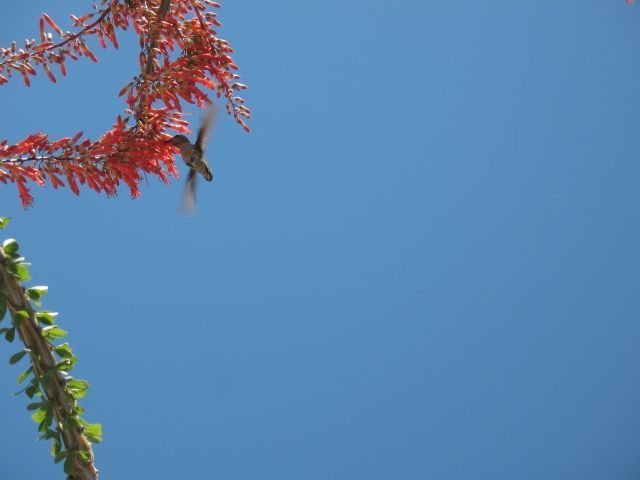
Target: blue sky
(422,263)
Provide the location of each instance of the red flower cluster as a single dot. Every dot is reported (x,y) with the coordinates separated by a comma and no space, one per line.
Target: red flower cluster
(181,58)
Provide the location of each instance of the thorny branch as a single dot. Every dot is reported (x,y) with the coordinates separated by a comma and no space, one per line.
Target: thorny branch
(44,366)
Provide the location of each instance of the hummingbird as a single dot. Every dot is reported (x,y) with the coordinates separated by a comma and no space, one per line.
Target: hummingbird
(193,156)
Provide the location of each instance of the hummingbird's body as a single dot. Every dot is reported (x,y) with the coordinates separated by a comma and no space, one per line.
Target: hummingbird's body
(193,156)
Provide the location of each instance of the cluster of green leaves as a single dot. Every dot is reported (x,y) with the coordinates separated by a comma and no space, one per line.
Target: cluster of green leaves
(38,382)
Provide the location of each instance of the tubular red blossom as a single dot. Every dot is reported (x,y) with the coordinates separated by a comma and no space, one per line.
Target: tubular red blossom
(181,59)
(52,24)
(25,195)
(55,181)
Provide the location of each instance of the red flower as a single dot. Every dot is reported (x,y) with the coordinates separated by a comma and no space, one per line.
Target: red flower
(182,58)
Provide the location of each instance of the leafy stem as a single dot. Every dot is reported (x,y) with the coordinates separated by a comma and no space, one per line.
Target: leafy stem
(54,393)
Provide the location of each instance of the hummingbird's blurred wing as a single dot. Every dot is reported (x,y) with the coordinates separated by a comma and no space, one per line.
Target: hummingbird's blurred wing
(205,129)
(189,193)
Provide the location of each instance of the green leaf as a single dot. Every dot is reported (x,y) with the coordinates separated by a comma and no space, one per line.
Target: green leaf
(68,463)
(3,304)
(93,431)
(66,364)
(4,222)
(15,358)
(48,419)
(52,332)
(24,375)
(36,293)
(31,390)
(78,387)
(60,456)
(56,447)
(19,270)
(10,335)
(34,297)
(35,406)
(19,317)
(40,289)
(39,415)
(45,379)
(84,455)
(46,317)
(48,434)
(73,422)
(10,245)
(64,350)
